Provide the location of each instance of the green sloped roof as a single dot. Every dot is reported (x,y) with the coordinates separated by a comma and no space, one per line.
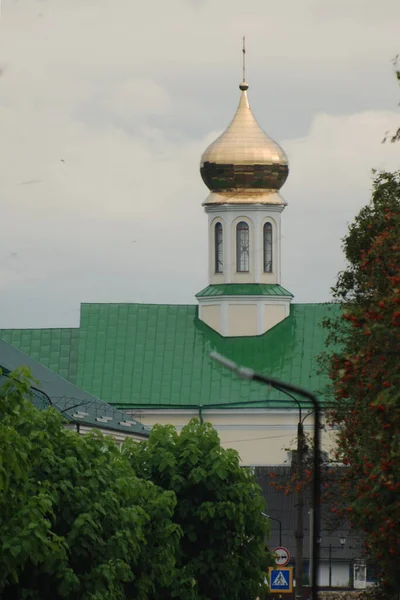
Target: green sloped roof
(78,406)
(244,289)
(90,413)
(100,415)
(138,354)
(56,349)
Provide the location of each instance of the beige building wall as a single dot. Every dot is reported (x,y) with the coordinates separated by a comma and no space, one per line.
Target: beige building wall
(262,437)
(243,315)
(242,319)
(274,313)
(211,315)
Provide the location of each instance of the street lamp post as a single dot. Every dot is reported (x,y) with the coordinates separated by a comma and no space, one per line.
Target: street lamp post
(330,548)
(299,531)
(245,373)
(280,526)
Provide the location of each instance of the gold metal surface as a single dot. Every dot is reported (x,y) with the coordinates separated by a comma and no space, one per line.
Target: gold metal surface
(244,142)
(254,159)
(253,196)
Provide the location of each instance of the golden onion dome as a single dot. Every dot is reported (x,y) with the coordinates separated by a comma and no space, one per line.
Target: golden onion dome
(244,157)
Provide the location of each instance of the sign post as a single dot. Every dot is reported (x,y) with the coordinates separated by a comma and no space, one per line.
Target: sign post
(282,556)
(281,580)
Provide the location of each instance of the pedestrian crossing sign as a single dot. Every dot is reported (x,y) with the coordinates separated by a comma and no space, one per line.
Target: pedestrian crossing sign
(281,580)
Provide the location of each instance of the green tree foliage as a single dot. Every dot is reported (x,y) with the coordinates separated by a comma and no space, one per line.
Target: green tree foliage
(75,521)
(79,520)
(222,551)
(365,375)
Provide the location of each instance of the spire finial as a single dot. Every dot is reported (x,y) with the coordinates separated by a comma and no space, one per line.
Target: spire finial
(244,86)
(244,58)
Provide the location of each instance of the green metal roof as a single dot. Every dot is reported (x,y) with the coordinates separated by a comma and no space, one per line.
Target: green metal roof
(78,406)
(134,355)
(139,354)
(56,349)
(100,415)
(244,289)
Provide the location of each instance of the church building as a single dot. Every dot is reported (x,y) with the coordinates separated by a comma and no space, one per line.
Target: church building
(153,361)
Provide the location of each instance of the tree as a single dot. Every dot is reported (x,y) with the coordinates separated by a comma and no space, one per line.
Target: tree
(219,509)
(75,521)
(363,363)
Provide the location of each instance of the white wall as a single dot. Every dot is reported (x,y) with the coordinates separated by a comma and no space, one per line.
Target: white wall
(261,437)
(340,574)
(256,215)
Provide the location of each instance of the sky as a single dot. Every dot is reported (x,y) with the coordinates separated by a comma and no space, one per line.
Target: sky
(107,105)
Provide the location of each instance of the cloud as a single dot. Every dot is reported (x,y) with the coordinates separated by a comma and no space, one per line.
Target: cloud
(330,180)
(104,114)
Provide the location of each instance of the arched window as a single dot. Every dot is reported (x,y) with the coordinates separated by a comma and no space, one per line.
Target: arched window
(267,248)
(219,249)
(242,247)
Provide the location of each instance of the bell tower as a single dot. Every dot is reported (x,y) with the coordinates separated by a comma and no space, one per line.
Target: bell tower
(244,170)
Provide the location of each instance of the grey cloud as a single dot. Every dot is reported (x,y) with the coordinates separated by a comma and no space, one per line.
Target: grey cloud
(129,99)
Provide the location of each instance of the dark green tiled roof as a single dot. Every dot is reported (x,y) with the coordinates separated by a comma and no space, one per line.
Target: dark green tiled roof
(89,413)
(56,349)
(139,354)
(99,415)
(244,289)
(78,406)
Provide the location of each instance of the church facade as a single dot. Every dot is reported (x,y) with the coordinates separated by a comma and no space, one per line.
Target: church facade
(153,361)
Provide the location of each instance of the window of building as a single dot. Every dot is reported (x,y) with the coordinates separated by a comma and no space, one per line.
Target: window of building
(267,248)
(219,249)
(242,247)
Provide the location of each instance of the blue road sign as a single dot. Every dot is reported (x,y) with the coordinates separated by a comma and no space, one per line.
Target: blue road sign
(281,580)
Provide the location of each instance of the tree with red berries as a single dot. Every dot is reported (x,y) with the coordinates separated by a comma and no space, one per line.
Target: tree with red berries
(363,360)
